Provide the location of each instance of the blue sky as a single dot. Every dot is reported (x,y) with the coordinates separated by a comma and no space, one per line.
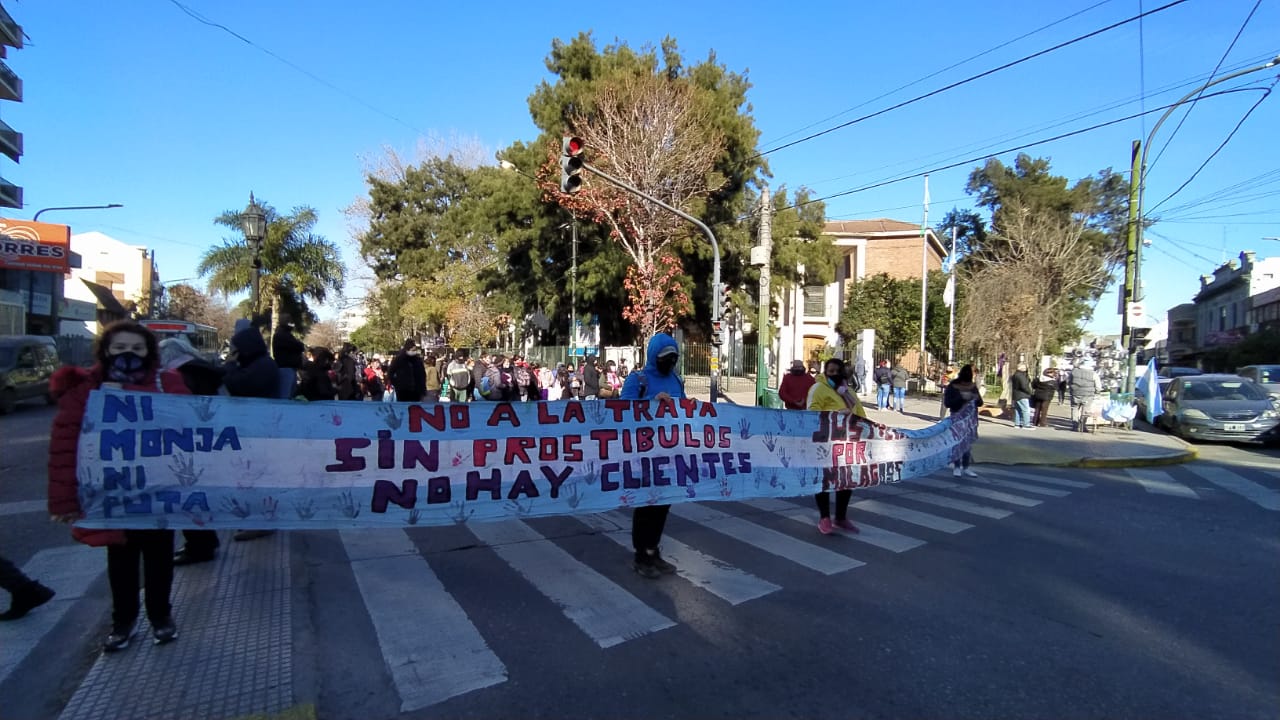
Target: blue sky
(138,103)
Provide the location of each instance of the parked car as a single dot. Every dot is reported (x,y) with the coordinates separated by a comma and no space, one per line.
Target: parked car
(26,362)
(1268,376)
(1164,376)
(1220,407)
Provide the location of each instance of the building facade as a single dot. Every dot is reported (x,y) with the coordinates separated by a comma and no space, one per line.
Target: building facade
(1224,304)
(118,279)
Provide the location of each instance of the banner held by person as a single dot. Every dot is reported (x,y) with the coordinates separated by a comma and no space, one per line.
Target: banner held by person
(149,460)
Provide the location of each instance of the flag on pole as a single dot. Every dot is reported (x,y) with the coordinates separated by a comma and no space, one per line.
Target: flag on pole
(926,195)
(949,293)
(1149,387)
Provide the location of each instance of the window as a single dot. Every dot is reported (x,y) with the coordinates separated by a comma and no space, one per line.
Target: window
(815,301)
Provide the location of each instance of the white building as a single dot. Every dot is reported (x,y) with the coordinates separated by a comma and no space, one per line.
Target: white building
(118,278)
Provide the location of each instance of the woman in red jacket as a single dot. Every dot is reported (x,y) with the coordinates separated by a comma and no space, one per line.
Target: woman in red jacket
(128,358)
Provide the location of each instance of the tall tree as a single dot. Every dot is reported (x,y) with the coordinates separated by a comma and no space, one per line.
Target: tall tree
(891,307)
(299,267)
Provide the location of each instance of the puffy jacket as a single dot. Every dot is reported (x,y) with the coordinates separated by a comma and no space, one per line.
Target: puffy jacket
(824,397)
(590,377)
(959,394)
(71,386)
(794,390)
(648,381)
(1084,385)
(286,348)
(253,373)
(899,377)
(1020,385)
(882,375)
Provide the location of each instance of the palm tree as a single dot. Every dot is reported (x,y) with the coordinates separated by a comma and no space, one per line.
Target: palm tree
(298,266)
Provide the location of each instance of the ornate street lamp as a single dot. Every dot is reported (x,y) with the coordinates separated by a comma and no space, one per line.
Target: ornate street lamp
(253,221)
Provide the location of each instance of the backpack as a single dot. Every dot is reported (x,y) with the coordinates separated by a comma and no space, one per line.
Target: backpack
(504,378)
(460,377)
(523,378)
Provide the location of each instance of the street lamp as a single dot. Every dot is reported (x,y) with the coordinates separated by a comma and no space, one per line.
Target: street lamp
(31,274)
(75,207)
(253,221)
(1134,291)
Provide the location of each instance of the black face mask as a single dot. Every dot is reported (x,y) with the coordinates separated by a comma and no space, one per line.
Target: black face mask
(667,363)
(127,367)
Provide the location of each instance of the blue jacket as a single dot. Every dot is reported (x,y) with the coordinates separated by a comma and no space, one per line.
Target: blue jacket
(648,381)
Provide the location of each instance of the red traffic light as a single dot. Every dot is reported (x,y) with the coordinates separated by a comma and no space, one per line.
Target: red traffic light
(572,146)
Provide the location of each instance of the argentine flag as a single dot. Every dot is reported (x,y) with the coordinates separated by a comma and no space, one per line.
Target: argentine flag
(1149,387)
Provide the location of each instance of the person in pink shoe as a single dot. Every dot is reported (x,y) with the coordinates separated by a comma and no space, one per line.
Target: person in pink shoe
(832,393)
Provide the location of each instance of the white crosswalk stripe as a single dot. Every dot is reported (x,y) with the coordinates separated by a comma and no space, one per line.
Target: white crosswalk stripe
(869,534)
(769,540)
(432,656)
(1040,478)
(1024,487)
(24,506)
(1159,482)
(715,576)
(1228,480)
(975,491)
(915,517)
(603,610)
(69,570)
(945,501)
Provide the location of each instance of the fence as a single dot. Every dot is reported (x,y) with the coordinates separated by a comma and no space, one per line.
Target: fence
(75,350)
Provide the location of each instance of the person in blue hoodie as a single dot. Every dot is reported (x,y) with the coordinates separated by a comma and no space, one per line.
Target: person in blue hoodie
(657,380)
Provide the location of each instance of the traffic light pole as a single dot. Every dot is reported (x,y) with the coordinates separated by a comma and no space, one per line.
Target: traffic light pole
(715,253)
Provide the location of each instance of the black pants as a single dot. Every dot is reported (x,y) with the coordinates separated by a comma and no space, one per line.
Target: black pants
(200,543)
(11,578)
(842,503)
(1041,408)
(647,524)
(155,549)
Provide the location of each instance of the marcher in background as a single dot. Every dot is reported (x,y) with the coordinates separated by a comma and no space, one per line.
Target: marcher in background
(407,373)
(959,394)
(459,378)
(315,384)
(1042,391)
(250,372)
(431,379)
(657,380)
(348,375)
(1084,385)
(883,378)
(833,393)
(794,388)
(1063,377)
(859,373)
(547,383)
(590,379)
(374,385)
(25,594)
(611,382)
(127,357)
(202,378)
(287,351)
(898,379)
(1020,391)
(623,370)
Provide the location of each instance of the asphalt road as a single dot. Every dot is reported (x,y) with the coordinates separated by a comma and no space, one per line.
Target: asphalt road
(1031,592)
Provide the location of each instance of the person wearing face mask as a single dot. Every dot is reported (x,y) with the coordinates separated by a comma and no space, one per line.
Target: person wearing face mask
(832,393)
(657,380)
(127,357)
(407,373)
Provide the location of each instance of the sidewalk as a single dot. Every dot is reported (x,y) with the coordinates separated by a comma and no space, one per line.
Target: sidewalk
(1000,443)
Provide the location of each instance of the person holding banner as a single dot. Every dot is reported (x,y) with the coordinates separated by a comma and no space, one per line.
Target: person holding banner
(832,393)
(657,380)
(961,393)
(128,358)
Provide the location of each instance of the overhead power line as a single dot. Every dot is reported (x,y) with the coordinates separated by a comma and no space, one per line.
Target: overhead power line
(936,73)
(1015,148)
(1213,74)
(967,80)
(346,93)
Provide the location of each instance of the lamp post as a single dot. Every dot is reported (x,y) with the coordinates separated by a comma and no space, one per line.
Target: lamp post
(1133,289)
(31,274)
(253,221)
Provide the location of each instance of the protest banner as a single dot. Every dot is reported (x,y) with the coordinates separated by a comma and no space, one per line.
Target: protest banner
(149,460)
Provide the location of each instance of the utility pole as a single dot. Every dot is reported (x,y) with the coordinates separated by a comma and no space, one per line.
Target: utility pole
(951,283)
(1130,290)
(761,257)
(573,309)
(924,273)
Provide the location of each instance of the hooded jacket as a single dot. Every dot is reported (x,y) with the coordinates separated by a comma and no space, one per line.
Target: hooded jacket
(70,387)
(643,384)
(899,376)
(286,348)
(253,373)
(959,394)
(824,397)
(794,389)
(1020,385)
(590,377)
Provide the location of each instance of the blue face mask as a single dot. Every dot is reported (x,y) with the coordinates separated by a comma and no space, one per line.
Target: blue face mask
(833,380)
(127,367)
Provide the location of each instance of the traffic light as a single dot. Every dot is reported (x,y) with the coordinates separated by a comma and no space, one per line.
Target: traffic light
(717,333)
(1138,336)
(726,301)
(571,164)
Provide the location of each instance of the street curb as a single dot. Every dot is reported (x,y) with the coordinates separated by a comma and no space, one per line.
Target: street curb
(1183,457)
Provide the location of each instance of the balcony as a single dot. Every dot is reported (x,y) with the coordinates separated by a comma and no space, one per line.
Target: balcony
(10,141)
(10,194)
(10,31)
(10,84)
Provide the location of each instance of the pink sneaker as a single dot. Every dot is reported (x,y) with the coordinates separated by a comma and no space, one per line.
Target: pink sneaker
(847,524)
(824,526)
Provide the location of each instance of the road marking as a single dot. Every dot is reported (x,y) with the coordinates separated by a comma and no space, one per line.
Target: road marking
(1159,483)
(925,496)
(1263,496)
(771,541)
(602,609)
(69,570)
(1018,475)
(915,517)
(432,655)
(23,506)
(869,534)
(978,492)
(1012,485)
(711,574)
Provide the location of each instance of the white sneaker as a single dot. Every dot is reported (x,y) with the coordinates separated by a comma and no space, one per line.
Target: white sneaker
(957,472)
(970,473)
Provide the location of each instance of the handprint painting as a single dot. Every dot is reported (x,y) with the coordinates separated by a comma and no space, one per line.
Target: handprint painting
(250,463)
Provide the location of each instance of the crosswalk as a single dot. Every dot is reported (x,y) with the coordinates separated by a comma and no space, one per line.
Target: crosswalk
(731,553)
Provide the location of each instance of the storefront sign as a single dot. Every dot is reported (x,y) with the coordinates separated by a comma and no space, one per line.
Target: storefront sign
(26,245)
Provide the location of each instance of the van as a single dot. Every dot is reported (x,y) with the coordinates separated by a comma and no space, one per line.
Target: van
(26,363)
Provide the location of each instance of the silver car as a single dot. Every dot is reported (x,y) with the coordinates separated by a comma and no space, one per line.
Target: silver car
(1220,407)
(1268,376)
